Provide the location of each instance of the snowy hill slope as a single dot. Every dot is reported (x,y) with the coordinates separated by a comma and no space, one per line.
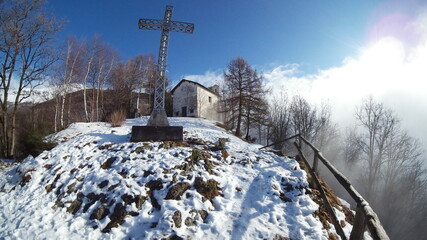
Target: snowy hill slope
(97,185)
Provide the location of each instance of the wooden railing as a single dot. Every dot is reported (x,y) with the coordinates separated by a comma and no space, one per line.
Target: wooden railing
(365,215)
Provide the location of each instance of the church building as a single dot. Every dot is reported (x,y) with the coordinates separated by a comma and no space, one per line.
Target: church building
(192,99)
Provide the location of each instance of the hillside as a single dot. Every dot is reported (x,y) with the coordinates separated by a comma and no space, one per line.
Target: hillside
(95,184)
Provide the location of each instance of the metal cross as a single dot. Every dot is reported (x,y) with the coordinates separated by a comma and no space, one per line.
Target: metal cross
(158,115)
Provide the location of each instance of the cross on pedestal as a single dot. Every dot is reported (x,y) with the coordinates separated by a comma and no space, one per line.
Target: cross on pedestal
(158,115)
(158,128)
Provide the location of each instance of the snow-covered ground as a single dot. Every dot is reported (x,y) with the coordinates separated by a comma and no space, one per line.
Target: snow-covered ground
(95,184)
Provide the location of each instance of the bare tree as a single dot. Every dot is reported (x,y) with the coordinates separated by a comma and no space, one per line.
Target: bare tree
(26,31)
(243,87)
(128,80)
(312,122)
(103,62)
(147,80)
(279,119)
(298,116)
(71,70)
(351,152)
(88,60)
(390,166)
(377,125)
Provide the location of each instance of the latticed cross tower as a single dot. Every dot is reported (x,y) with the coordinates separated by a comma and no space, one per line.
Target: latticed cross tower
(158,115)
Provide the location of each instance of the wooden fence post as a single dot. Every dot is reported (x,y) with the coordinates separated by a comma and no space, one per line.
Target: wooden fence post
(315,162)
(359,224)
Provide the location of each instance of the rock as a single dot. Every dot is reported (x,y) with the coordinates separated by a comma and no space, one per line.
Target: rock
(48,166)
(100,213)
(123,173)
(71,188)
(288,187)
(284,198)
(75,206)
(107,164)
(139,200)
(111,202)
(128,199)
(203,214)
(154,202)
(197,155)
(93,198)
(220,145)
(49,187)
(103,184)
(117,217)
(176,191)
(58,189)
(280,237)
(189,222)
(155,184)
(222,141)
(196,213)
(175,237)
(142,149)
(224,154)
(208,166)
(139,150)
(177,218)
(133,213)
(88,205)
(147,173)
(174,177)
(25,179)
(106,146)
(58,203)
(97,197)
(196,141)
(113,186)
(208,189)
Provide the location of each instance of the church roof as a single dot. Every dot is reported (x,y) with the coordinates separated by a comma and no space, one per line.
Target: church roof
(198,84)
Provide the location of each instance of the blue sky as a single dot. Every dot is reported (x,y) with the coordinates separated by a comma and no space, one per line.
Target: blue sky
(314,34)
(336,51)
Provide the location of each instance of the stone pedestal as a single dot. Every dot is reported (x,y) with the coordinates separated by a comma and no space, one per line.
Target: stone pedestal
(158,118)
(156,133)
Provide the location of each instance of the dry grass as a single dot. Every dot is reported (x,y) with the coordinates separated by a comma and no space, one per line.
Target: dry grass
(117,118)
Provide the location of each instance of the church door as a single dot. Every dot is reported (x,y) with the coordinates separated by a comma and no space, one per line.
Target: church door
(184,111)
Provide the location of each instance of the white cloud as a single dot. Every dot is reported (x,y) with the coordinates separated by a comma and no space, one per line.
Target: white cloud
(388,70)
(209,78)
(284,78)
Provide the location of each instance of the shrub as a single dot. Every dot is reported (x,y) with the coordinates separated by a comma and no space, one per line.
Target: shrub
(117,118)
(33,144)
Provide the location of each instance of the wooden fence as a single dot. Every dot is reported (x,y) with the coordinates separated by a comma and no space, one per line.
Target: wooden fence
(365,216)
